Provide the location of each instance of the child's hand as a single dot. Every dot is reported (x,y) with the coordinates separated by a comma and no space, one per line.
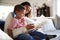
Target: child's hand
(30,26)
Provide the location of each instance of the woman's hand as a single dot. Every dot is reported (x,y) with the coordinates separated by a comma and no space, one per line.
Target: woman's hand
(30,26)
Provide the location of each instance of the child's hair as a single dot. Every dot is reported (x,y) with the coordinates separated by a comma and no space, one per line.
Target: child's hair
(18,8)
(25,3)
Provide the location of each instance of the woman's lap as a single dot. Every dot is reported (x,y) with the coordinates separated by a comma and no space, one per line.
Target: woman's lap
(24,37)
(38,34)
(33,36)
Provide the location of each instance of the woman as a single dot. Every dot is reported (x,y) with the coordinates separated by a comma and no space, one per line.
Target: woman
(35,34)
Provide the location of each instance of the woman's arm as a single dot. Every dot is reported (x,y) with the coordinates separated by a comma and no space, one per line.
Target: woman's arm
(11,27)
(10,33)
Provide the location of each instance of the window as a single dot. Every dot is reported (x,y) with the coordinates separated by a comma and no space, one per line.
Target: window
(4,11)
(58,8)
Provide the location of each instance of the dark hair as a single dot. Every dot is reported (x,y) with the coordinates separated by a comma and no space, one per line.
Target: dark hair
(18,8)
(28,4)
(25,3)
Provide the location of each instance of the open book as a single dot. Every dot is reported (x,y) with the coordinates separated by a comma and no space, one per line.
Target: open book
(38,21)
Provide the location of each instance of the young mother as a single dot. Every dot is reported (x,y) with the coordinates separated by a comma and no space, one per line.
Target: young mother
(35,34)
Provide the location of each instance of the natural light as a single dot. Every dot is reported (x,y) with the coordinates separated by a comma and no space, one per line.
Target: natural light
(58,8)
(4,11)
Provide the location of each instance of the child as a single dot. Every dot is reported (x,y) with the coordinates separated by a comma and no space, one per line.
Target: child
(18,21)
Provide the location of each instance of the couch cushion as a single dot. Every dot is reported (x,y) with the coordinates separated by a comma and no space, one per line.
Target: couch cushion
(48,26)
(4,36)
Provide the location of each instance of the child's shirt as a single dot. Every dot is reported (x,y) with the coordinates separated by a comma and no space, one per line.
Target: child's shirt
(17,23)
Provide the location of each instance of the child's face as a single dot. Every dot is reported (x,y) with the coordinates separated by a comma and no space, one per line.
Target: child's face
(20,14)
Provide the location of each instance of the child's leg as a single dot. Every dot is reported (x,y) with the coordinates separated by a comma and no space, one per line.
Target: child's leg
(24,37)
(39,34)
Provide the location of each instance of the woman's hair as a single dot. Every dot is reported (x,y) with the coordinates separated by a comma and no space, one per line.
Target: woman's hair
(18,8)
(25,3)
(28,4)
(28,14)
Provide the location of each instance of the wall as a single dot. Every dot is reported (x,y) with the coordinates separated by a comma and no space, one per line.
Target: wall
(34,4)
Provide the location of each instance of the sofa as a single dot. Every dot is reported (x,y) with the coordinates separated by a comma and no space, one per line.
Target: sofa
(47,28)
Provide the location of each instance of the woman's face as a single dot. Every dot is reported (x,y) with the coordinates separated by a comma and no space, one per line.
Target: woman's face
(28,8)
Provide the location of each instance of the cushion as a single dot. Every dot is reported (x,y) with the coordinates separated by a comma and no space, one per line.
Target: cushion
(48,26)
(4,36)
